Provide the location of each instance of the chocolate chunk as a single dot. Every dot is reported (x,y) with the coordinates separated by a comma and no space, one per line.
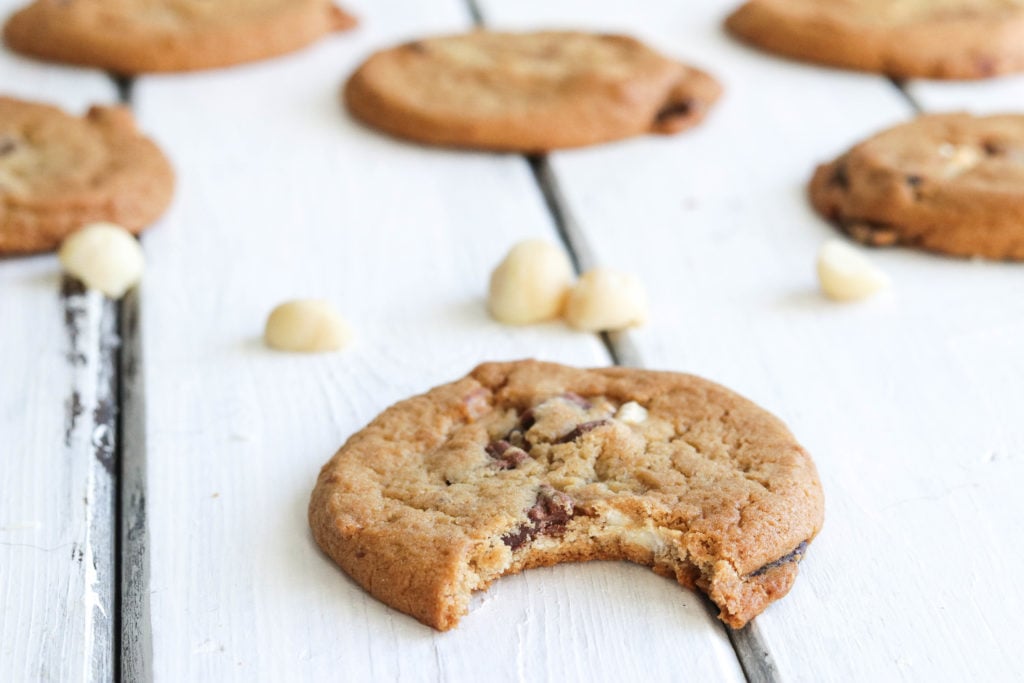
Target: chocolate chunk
(417,47)
(7,145)
(526,420)
(517,435)
(995,149)
(553,508)
(582,429)
(674,110)
(795,556)
(577,400)
(840,177)
(914,180)
(548,517)
(506,456)
(514,539)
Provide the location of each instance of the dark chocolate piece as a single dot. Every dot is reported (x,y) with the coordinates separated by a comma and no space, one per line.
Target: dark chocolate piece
(548,517)
(506,456)
(582,429)
(674,110)
(795,556)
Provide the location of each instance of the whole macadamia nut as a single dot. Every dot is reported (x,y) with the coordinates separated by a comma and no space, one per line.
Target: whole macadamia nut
(606,300)
(105,257)
(530,284)
(306,325)
(846,274)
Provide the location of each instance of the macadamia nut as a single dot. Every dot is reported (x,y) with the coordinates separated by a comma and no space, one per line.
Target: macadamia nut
(606,300)
(306,325)
(103,256)
(530,284)
(846,274)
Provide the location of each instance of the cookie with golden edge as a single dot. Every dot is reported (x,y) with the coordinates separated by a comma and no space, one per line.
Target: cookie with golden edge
(527,92)
(140,36)
(948,183)
(944,39)
(59,172)
(527,464)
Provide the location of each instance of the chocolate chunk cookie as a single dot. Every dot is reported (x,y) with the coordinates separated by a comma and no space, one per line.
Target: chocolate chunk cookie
(527,92)
(956,39)
(950,183)
(59,172)
(136,36)
(528,464)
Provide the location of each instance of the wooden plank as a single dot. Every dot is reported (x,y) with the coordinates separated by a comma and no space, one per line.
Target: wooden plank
(907,402)
(58,349)
(282,195)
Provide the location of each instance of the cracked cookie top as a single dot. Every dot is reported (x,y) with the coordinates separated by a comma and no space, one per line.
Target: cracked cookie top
(527,91)
(950,183)
(529,463)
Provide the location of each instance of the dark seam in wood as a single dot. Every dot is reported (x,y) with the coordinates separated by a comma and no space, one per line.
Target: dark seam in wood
(133,628)
(901,87)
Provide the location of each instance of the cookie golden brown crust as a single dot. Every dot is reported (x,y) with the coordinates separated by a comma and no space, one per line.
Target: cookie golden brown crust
(59,172)
(528,464)
(138,36)
(945,39)
(527,92)
(949,183)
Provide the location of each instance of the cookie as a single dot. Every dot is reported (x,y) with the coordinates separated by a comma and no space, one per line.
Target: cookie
(138,36)
(528,464)
(527,92)
(952,39)
(949,183)
(59,172)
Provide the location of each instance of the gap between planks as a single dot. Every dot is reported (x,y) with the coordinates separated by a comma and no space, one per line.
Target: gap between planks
(747,643)
(133,644)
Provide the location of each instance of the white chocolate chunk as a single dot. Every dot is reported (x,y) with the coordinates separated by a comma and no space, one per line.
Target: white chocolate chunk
(632,413)
(306,325)
(530,284)
(959,158)
(105,257)
(846,274)
(606,300)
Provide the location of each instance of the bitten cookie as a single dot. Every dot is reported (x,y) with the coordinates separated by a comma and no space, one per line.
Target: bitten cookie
(950,183)
(955,39)
(527,92)
(59,172)
(137,36)
(529,464)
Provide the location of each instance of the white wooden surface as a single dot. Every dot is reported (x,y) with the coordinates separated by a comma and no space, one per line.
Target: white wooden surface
(56,488)
(282,195)
(910,403)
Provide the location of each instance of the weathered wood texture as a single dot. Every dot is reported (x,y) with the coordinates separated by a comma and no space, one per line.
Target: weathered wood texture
(58,349)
